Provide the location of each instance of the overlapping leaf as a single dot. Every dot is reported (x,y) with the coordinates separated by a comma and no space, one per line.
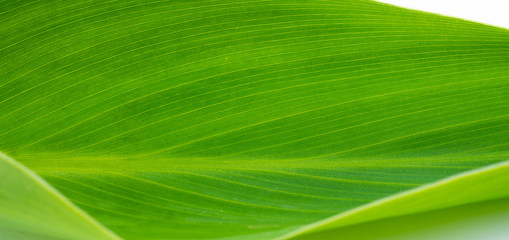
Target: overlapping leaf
(245,119)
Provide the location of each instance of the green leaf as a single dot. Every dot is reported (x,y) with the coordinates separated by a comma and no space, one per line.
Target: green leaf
(484,220)
(30,208)
(474,186)
(247,119)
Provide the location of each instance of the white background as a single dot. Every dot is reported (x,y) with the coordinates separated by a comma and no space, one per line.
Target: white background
(492,12)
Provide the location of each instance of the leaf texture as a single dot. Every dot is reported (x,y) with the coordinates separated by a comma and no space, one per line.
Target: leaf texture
(245,119)
(32,209)
(475,186)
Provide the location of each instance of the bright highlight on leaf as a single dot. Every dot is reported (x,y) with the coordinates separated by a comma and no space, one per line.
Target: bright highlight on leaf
(243,119)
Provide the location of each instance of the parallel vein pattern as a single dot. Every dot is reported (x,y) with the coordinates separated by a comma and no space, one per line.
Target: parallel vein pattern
(208,119)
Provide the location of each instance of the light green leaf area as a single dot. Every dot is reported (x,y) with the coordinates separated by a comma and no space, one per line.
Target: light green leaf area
(470,187)
(32,209)
(249,119)
(483,220)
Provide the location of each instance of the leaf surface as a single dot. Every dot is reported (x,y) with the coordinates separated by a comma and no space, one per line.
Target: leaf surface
(481,185)
(245,119)
(31,208)
(483,220)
